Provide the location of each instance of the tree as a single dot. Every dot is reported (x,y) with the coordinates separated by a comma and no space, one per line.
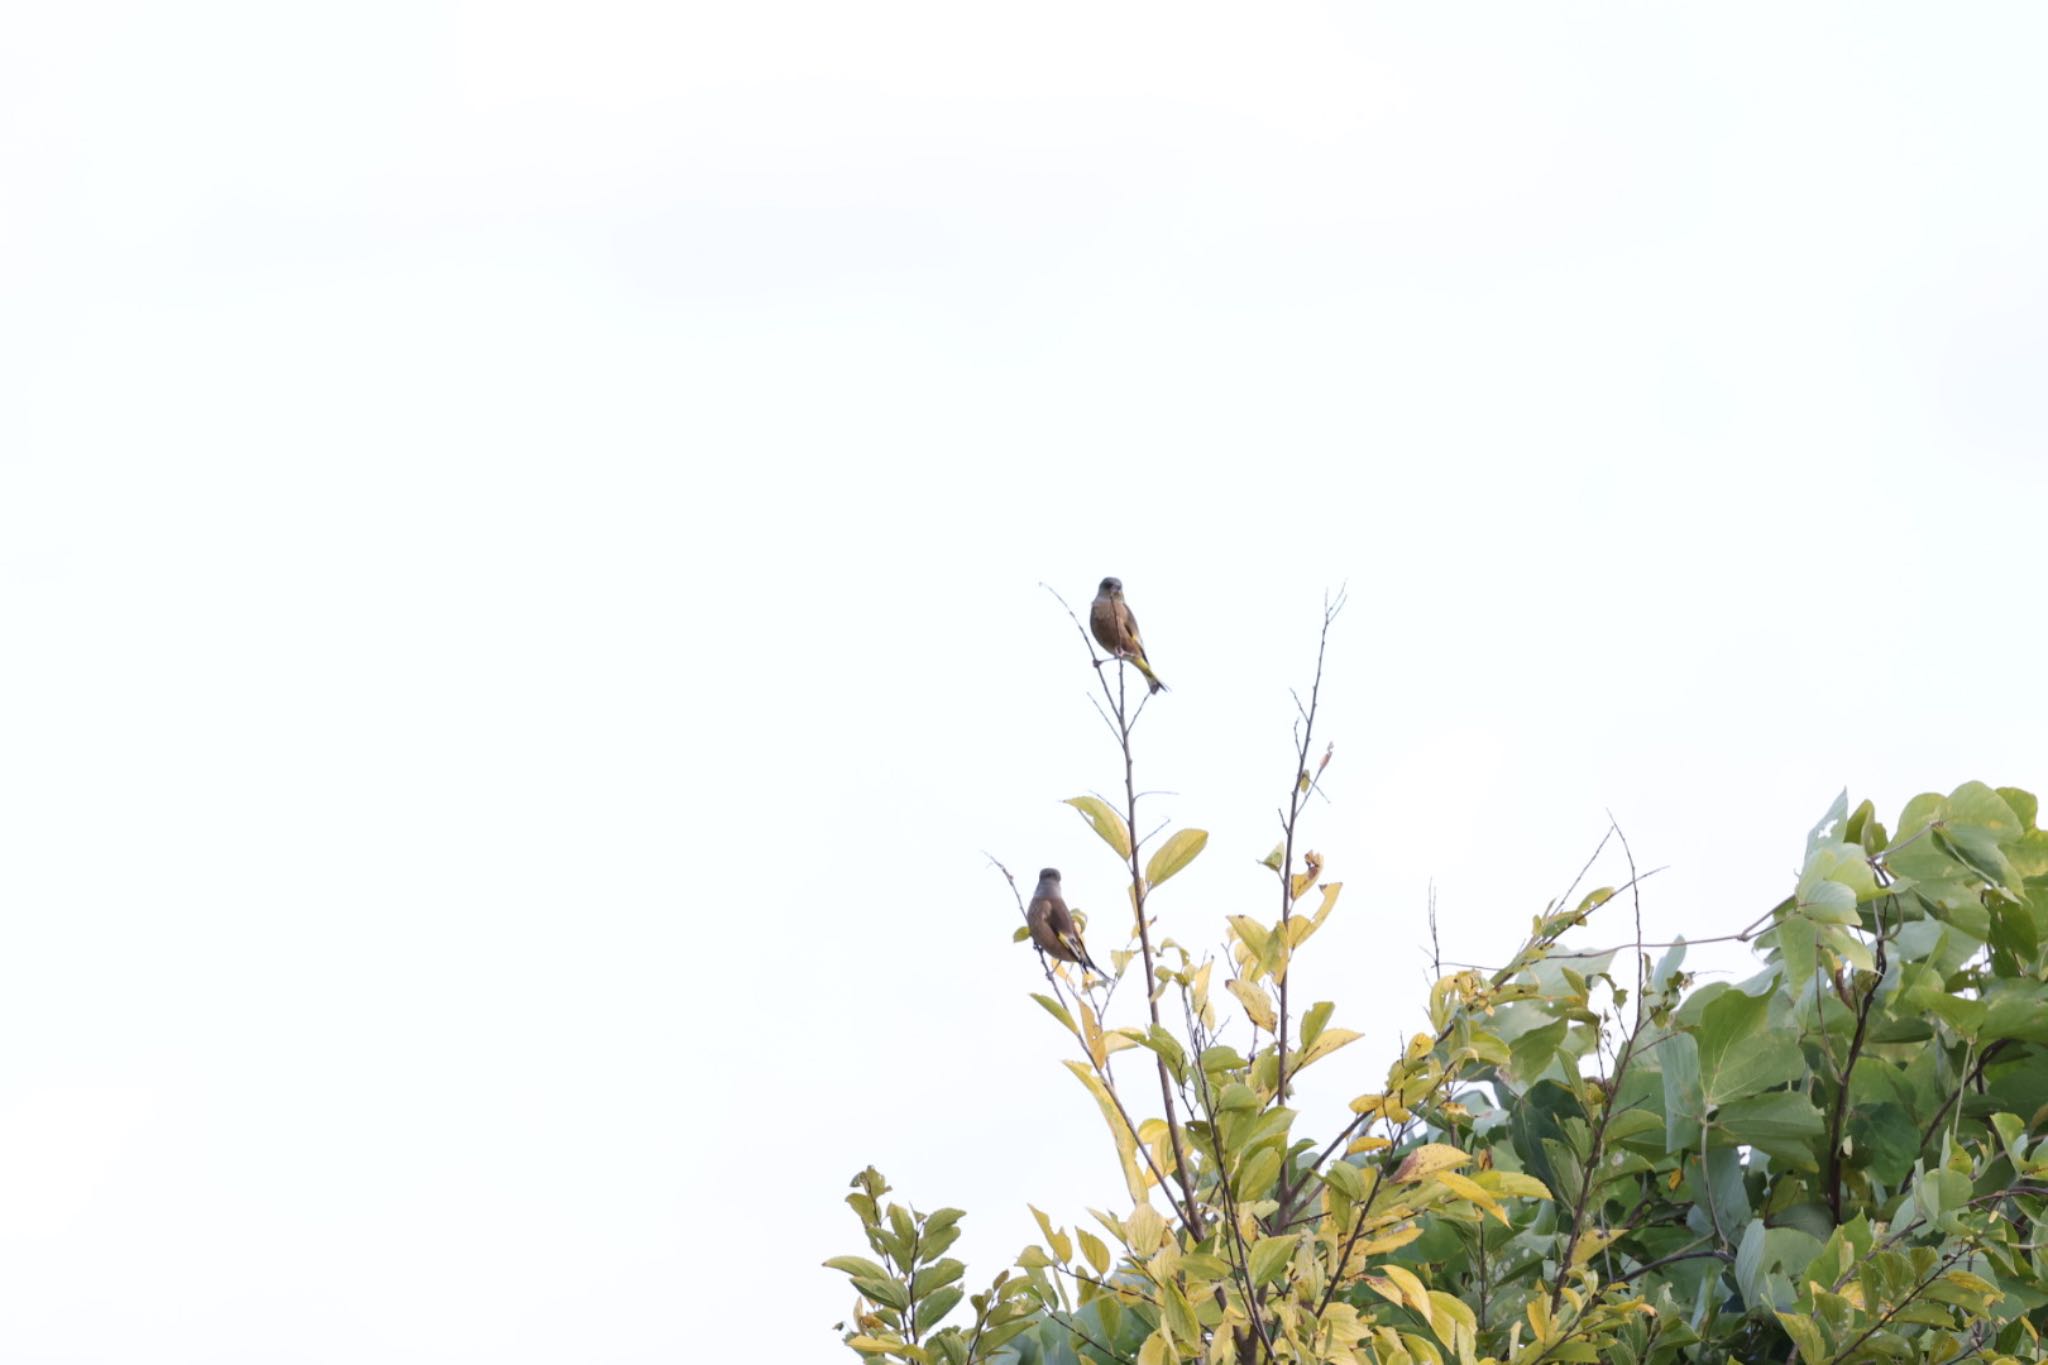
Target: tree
(1581,1158)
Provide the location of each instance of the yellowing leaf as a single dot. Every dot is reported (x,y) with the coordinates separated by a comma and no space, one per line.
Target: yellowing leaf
(1300,928)
(1326,1042)
(1062,1245)
(1390,1241)
(1126,1140)
(1366,1144)
(1145,1229)
(1469,1190)
(1511,1184)
(1092,1248)
(1427,1160)
(1106,822)
(1412,1291)
(1157,1350)
(1258,1006)
(1176,853)
(1592,1243)
(1269,1256)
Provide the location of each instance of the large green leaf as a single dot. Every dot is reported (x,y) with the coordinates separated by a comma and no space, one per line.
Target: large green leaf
(1740,1054)
(1783,1123)
(1537,1118)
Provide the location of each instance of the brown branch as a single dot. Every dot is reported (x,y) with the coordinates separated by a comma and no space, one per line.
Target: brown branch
(1832,1176)
(1697,1251)
(1298,784)
(1241,1264)
(1976,1073)
(1126,721)
(1941,1268)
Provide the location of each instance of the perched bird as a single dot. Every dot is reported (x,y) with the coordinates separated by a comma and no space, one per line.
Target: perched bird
(1052,924)
(1116,630)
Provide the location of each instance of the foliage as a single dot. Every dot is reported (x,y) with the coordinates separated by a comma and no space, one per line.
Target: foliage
(1582,1158)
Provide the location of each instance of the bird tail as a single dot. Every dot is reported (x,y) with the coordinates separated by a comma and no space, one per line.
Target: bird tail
(1151,678)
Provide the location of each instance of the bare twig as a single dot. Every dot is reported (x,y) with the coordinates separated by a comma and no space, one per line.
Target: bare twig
(1299,783)
(1127,720)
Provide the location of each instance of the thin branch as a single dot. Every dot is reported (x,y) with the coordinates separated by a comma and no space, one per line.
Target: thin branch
(1127,720)
(1299,782)
(1831,1179)
(1695,1251)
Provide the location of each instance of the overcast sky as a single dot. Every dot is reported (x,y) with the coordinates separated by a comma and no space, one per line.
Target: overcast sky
(520,540)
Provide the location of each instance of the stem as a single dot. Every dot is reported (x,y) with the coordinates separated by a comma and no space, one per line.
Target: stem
(1299,784)
(1125,721)
(1832,1177)
(1590,1175)
(1241,1264)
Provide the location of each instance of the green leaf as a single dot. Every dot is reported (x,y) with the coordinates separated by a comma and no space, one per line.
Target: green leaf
(1683,1107)
(936,1307)
(885,1291)
(1057,1011)
(1532,1053)
(935,1276)
(1884,1141)
(1106,822)
(1179,1314)
(1344,1178)
(859,1266)
(1176,853)
(1255,1180)
(1806,1335)
(1312,1022)
(1833,821)
(1538,1118)
(1977,805)
(1738,1054)
(1269,1256)
(1781,1122)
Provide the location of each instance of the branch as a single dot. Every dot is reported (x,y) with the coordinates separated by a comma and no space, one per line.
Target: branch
(1126,721)
(1298,784)
(1832,1177)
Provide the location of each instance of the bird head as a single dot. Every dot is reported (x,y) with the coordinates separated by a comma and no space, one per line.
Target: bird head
(1110,585)
(1048,874)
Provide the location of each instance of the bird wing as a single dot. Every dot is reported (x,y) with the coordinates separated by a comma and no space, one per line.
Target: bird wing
(1130,629)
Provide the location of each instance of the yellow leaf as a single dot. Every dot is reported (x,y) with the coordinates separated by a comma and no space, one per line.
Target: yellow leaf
(1126,1140)
(1107,823)
(1146,1229)
(1258,1006)
(1327,1042)
(1062,1245)
(1368,1104)
(1299,929)
(1175,854)
(1511,1184)
(1092,1034)
(1094,1250)
(1427,1160)
(869,1346)
(1157,1350)
(1469,1190)
(1389,1241)
(1592,1243)
(1366,1144)
(1413,1293)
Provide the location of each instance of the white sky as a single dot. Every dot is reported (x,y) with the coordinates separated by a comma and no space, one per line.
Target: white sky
(520,528)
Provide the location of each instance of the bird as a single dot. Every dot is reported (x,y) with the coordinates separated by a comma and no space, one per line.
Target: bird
(1116,630)
(1052,924)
